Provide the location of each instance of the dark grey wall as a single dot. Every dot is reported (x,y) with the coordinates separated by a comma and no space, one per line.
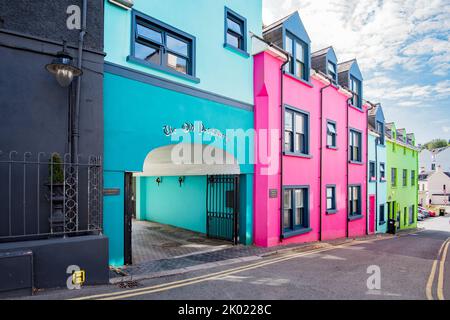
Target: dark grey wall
(47,19)
(34,108)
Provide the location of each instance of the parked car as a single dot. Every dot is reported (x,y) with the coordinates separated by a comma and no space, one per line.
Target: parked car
(424,212)
(432,213)
(420,216)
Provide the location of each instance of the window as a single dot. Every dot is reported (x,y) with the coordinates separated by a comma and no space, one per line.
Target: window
(331,135)
(162,46)
(354,201)
(355,87)
(382,172)
(433,166)
(295,209)
(298,51)
(382,214)
(296,137)
(405,177)
(413,178)
(355,146)
(372,171)
(235,30)
(331,69)
(411,214)
(380,130)
(394,177)
(331,199)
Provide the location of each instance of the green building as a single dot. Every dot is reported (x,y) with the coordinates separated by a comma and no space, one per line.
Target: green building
(402,168)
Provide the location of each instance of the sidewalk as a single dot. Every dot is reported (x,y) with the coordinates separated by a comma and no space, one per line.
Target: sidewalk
(201,261)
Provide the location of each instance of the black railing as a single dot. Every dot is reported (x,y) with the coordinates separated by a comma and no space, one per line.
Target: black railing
(45,195)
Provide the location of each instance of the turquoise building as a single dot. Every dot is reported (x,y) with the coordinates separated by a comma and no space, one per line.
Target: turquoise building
(178,83)
(377,166)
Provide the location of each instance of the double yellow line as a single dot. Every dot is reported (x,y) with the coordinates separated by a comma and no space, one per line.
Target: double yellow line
(440,260)
(207,277)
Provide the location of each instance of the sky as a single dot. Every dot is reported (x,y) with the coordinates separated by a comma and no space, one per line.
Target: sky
(402,48)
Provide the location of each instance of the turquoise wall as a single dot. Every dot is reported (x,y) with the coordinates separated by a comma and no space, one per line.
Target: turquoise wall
(168,203)
(220,70)
(377,153)
(135,114)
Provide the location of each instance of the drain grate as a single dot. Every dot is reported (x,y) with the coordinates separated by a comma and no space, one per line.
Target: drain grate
(129,285)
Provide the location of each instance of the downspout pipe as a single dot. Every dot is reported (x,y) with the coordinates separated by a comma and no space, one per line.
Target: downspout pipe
(367,174)
(321,157)
(347,168)
(76,112)
(282,142)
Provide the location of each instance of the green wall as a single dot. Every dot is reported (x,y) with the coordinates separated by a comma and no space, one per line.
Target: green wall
(401,157)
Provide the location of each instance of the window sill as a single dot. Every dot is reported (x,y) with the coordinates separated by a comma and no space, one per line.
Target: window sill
(356,108)
(383,181)
(305,82)
(163,69)
(332,148)
(298,155)
(240,52)
(359,163)
(294,233)
(373,180)
(382,223)
(331,212)
(353,218)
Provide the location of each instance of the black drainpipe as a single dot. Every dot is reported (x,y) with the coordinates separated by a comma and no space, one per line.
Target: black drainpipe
(348,163)
(75,132)
(367,174)
(321,158)
(282,143)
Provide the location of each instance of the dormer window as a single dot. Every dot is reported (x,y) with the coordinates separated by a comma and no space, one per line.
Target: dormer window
(332,72)
(355,88)
(298,56)
(380,130)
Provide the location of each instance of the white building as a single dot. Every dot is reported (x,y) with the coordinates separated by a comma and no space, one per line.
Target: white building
(434,188)
(430,160)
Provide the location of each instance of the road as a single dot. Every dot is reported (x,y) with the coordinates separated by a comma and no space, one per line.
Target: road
(413,266)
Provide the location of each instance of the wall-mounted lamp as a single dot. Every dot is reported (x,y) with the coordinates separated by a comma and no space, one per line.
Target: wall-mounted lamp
(181,180)
(125,4)
(158,181)
(63,69)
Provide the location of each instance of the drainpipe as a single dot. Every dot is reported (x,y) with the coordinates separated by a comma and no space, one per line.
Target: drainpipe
(348,164)
(321,158)
(282,143)
(367,174)
(76,112)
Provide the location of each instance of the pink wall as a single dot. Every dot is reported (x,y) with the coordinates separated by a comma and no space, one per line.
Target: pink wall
(304,171)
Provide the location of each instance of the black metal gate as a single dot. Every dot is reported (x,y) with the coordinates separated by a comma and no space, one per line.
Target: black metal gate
(222,207)
(128,215)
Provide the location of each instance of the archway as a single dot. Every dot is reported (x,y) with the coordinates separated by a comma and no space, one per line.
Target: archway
(191,191)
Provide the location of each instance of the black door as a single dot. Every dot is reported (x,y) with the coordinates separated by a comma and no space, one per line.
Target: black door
(222,207)
(128,214)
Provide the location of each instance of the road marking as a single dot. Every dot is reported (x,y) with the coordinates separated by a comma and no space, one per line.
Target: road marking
(207,277)
(429,287)
(440,288)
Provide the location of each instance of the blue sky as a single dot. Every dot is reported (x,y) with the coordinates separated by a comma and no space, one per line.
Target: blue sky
(402,47)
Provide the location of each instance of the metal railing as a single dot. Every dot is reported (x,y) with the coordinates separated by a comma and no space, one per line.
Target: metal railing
(45,195)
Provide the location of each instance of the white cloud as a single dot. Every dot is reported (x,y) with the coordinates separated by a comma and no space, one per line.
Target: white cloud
(380,33)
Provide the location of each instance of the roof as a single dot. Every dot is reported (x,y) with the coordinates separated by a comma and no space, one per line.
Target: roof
(278,22)
(321,52)
(373,111)
(390,125)
(346,66)
(447,174)
(425,175)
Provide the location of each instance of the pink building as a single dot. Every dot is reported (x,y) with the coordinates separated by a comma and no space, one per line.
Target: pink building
(312,186)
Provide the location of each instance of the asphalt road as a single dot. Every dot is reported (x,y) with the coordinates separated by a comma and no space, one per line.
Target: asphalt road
(397,268)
